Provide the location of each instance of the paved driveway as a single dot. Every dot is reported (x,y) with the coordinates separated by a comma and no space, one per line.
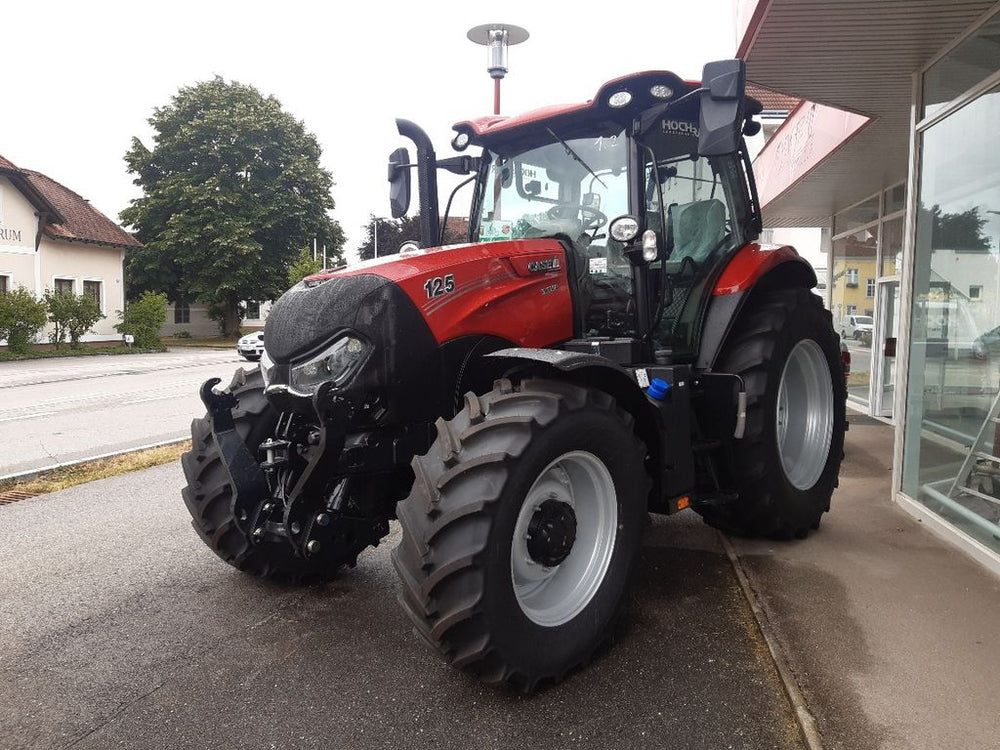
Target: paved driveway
(119,629)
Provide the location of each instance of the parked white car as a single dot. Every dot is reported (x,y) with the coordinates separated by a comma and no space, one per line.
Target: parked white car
(857,326)
(251,346)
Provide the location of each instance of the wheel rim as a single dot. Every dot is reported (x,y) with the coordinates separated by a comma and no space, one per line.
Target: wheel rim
(805,414)
(551,595)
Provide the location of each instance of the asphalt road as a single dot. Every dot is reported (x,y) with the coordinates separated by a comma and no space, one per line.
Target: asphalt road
(64,409)
(119,629)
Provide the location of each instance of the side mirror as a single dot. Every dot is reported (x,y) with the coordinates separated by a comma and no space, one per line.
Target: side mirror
(399,182)
(722,107)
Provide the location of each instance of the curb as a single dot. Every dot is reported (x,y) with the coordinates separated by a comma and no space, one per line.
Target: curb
(35,473)
(803,717)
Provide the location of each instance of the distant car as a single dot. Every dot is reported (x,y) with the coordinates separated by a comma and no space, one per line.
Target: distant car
(251,346)
(987,344)
(857,326)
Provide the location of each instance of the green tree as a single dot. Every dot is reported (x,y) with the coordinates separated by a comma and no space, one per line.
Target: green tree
(232,189)
(394,232)
(21,318)
(143,319)
(303,266)
(71,315)
(391,234)
(958,231)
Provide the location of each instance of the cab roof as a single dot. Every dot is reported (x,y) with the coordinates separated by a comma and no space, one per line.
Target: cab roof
(570,119)
(484,130)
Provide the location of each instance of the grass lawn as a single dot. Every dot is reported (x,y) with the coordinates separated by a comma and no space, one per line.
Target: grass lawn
(71,476)
(46,351)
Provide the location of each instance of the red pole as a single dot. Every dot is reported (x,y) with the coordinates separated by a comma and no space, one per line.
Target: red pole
(496,96)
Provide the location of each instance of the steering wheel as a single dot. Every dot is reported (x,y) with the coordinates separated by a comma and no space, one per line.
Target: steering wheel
(591,217)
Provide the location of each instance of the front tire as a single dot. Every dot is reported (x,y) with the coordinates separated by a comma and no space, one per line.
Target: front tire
(522,531)
(786,466)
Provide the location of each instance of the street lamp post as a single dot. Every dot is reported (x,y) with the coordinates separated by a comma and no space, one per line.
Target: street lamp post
(497,37)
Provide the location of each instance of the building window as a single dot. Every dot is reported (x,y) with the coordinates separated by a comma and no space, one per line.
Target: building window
(870,288)
(852,277)
(857,216)
(894,199)
(4,283)
(63,286)
(182,313)
(972,61)
(952,387)
(253,310)
(93,289)
(892,246)
(852,309)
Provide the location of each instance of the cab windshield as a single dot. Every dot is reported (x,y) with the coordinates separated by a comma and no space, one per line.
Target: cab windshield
(567,188)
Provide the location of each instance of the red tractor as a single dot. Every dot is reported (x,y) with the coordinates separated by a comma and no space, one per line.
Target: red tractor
(611,341)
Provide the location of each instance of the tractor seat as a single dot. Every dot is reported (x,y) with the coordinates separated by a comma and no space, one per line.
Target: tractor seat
(698,229)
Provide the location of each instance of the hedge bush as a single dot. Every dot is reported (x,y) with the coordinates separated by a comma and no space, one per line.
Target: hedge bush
(143,320)
(21,318)
(70,314)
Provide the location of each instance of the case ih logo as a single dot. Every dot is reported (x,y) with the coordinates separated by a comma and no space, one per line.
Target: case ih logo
(680,127)
(541,266)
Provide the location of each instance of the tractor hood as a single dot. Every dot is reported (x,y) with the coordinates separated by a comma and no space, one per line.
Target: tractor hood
(429,296)
(401,267)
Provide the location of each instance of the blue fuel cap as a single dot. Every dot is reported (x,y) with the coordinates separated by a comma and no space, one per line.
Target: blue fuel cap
(658,388)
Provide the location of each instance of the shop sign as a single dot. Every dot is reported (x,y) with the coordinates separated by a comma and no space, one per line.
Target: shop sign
(811,134)
(10,235)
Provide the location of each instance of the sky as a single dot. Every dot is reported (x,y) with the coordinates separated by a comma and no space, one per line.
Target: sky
(81,79)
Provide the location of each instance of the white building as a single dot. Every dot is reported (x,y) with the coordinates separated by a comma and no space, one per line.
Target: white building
(52,238)
(193,319)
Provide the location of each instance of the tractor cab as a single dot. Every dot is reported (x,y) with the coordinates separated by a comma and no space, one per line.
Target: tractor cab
(647,186)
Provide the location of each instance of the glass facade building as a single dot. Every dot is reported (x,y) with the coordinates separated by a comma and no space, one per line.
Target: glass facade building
(951,434)
(900,165)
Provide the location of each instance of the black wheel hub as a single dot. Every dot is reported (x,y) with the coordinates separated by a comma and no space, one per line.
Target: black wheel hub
(551,533)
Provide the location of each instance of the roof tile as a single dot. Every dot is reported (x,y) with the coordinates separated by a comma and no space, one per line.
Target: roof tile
(80,222)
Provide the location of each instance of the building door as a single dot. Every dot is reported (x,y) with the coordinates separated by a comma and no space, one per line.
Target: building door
(883,349)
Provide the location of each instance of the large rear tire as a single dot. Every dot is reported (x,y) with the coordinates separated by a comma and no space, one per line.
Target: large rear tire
(209,494)
(786,466)
(522,530)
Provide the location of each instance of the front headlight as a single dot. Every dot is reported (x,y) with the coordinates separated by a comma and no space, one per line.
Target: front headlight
(336,363)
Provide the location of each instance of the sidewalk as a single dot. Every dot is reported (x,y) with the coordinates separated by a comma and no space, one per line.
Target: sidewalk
(891,633)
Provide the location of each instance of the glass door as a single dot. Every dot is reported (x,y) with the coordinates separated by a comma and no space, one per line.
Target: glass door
(883,351)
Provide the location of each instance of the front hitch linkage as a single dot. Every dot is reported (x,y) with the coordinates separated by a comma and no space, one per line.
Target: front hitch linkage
(248,481)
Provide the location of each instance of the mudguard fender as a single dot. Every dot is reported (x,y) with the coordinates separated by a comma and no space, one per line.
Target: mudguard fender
(755,266)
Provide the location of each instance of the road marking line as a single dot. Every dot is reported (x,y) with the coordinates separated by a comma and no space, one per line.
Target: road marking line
(155,398)
(28,416)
